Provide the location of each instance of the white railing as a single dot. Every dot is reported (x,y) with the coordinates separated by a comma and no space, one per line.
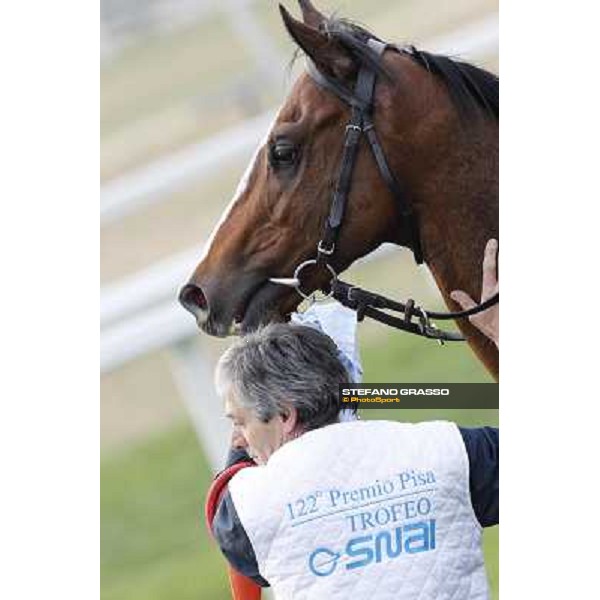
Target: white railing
(161,178)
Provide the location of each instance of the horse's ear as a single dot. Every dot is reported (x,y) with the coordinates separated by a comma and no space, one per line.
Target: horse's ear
(330,57)
(311,16)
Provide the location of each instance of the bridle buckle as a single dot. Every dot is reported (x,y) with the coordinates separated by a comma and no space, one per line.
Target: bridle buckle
(325,251)
(353,127)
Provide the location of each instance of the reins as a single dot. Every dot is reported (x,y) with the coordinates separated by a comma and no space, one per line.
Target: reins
(369,304)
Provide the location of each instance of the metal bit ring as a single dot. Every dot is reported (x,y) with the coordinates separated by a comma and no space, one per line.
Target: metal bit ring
(308,263)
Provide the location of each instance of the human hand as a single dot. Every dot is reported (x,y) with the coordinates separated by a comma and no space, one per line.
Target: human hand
(486,321)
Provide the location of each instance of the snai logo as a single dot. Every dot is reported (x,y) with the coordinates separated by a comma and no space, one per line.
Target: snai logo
(365,549)
(322,562)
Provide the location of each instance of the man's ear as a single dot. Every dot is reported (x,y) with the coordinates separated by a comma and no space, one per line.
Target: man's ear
(329,55)
(289,420)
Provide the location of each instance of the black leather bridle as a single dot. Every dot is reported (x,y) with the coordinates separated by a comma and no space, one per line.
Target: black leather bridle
(361,102)
(365,303)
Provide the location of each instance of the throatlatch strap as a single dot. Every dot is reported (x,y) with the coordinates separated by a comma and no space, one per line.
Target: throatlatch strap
(409,219)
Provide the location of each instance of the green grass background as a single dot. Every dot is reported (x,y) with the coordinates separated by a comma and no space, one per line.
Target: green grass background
(154,544)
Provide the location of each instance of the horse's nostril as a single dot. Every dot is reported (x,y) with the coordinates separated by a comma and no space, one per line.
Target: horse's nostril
(192,298)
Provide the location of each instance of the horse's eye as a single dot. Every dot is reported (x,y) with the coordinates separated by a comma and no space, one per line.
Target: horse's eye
(283,153)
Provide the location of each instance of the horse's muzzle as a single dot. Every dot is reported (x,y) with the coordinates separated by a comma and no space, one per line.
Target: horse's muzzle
(225,309)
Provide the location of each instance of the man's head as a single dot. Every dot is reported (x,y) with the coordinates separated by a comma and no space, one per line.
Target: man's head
(277,383)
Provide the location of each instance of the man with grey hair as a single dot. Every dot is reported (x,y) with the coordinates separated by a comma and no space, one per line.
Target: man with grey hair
(277,383)
(336,508)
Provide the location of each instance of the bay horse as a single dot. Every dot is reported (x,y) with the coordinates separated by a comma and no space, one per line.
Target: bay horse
(437,123)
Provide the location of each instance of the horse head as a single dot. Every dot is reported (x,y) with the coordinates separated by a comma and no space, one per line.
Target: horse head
(278,213)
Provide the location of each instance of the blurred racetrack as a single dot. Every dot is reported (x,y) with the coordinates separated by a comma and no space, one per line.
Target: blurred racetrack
(174,74)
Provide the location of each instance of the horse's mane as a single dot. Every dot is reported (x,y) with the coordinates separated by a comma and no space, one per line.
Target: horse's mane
(471,88)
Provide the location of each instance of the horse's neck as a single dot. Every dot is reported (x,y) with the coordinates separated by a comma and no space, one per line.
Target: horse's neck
(454,250)
(456,223)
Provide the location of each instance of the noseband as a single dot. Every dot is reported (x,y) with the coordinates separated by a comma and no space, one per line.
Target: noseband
(365,303)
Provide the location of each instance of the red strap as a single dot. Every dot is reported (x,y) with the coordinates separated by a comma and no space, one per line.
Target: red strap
(217,489)
(242,587)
